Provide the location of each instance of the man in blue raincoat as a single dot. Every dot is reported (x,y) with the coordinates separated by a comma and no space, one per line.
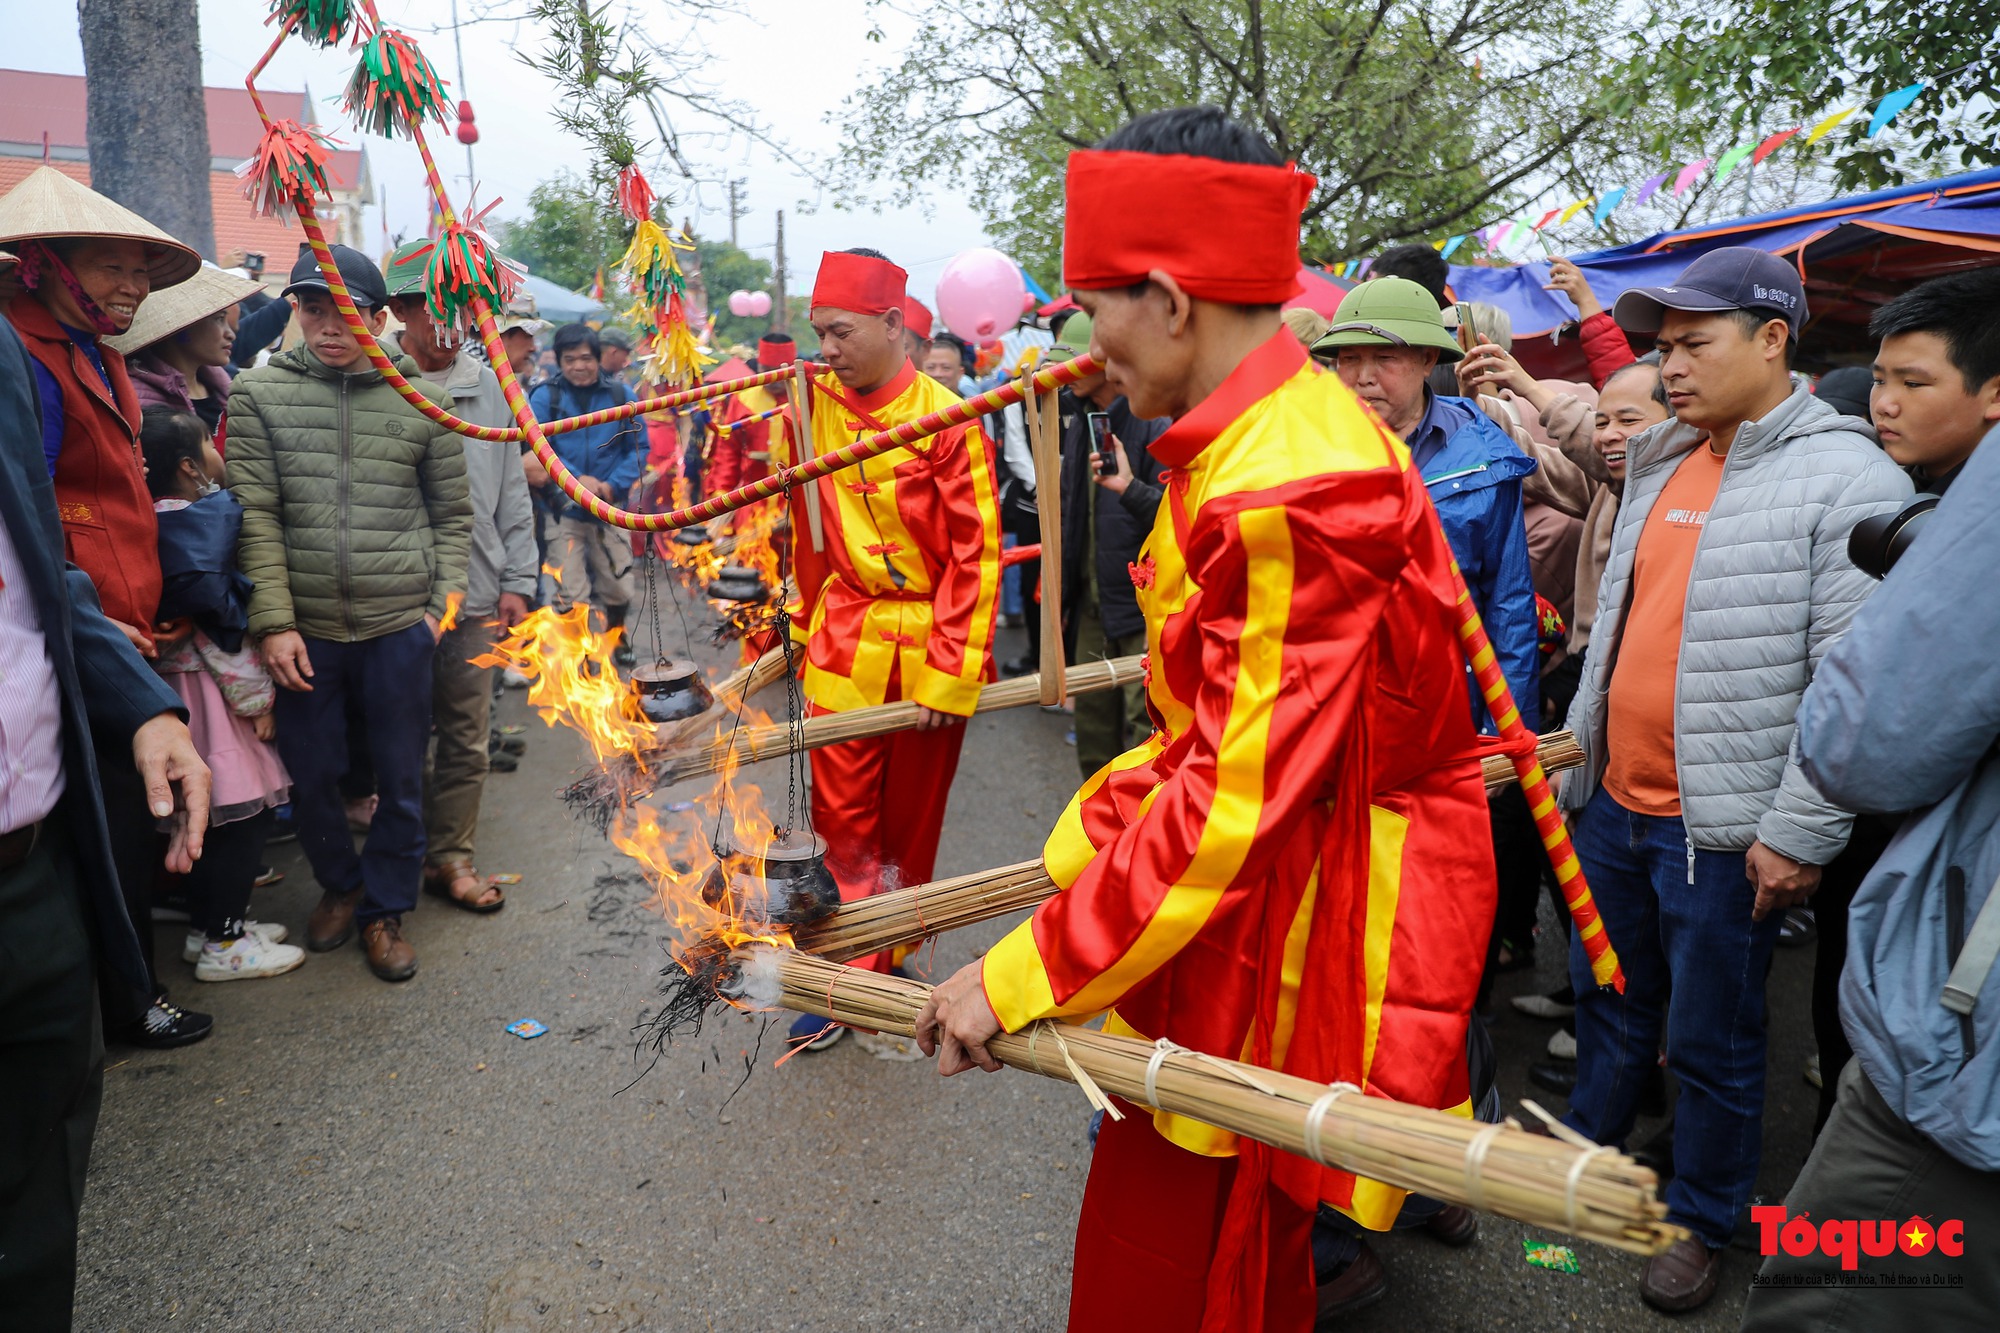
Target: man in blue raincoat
(1387,337)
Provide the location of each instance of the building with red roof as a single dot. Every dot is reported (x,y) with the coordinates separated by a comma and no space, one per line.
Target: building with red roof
(45,112)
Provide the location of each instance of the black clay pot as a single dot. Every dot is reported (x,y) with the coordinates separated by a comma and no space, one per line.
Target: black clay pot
(693,536)
(670,691)
(786,883)
(738,583)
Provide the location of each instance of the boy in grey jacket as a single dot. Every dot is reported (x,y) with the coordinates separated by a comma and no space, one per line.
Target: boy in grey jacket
(1728,578)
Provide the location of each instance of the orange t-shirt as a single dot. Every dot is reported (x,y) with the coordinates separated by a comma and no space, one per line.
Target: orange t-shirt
(1640,734)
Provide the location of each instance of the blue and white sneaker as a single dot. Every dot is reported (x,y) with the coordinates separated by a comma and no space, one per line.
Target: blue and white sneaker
(814,1033)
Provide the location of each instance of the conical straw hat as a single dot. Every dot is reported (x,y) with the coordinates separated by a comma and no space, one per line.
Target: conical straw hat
(49,205)
(166,313)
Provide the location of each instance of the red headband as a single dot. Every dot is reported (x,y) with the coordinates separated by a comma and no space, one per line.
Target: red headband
(1226,231)
(917,316)
(773,352)
(856,282)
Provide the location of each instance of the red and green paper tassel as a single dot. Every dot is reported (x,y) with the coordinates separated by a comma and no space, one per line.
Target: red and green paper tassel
(290,165)
(319,22)
(394,89)
(465,265)
(635,193)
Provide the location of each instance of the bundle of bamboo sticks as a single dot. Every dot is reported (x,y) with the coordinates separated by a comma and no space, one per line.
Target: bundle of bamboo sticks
(749,744)
(913,914)
(1593,1192)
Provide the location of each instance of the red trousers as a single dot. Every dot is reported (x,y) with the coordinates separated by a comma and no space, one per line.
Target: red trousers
(1147,1233)
(879,803)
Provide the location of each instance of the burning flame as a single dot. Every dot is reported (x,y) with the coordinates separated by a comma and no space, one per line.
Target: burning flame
(452,601)
(572,684)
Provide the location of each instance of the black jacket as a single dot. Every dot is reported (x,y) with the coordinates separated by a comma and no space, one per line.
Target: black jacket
(103,681)
(1122,520)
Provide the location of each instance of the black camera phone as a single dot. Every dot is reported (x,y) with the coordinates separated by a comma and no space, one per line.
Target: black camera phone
(253,264)
(1100,440)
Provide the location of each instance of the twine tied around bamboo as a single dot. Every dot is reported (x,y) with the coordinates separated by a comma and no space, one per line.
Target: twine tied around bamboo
(1316,1118)
(1166,1046)
(1093,1094)
(1475,1163)
(1576,1175)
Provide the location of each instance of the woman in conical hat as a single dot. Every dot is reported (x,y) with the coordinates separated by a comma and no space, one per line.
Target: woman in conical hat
(180,341)
(87,265)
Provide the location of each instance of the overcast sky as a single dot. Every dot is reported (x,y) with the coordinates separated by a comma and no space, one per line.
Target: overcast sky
(793,69)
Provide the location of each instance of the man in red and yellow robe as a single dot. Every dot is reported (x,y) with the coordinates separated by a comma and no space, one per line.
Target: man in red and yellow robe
(1293,869)
(905,605)
(753,435)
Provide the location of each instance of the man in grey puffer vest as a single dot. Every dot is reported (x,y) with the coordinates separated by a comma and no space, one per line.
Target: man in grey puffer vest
(1728,578)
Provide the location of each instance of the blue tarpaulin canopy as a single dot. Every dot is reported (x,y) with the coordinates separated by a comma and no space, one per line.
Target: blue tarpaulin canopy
(558,304)
(1855,253)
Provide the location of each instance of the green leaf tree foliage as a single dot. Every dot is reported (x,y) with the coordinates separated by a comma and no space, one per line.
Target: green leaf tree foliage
(568,233)
(1756,66)
(1420,117)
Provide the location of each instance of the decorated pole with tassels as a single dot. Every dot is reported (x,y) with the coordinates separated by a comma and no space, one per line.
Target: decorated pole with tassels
(1535,786)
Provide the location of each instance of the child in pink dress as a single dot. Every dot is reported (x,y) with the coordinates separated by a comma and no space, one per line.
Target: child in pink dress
(228,695)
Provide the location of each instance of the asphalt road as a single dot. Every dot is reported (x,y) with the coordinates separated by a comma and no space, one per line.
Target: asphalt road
(348,1155)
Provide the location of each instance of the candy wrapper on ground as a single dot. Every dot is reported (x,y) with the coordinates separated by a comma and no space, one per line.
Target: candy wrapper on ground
(1544,1254)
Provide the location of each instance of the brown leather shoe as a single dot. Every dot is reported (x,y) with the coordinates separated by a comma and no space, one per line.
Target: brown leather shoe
(332,922)
(390,956)
(1681,1279)
(1358,1286)
(1456,1225)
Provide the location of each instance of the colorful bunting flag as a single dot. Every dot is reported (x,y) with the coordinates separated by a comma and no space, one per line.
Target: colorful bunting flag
(1545,219)
(1733,158)
(1652,186)
(1772,144)
(1887,109)
(1574,209)
(1611,200)
(1826,127)
(1453,244)
(1689,175)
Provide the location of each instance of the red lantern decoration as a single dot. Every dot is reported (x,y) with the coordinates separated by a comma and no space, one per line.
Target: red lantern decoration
(468,133)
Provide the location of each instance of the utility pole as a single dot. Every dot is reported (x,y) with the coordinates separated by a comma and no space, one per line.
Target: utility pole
(459,42)
(737,208)
(781,311)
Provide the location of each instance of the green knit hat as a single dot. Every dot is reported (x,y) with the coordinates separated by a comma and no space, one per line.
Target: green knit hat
(1390,312)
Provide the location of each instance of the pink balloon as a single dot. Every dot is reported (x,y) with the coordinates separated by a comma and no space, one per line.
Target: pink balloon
(739,304)
(980,295)
(760,304)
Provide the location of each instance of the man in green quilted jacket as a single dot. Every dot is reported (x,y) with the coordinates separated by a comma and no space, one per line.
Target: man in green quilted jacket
(357,525)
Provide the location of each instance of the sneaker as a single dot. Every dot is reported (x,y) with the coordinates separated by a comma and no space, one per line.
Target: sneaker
(284,828)
(1562,1045)
(167,1025)
(245,957)
(266,932)
(266,876)
(1800,926)
(1555,1005)
(513,679)
(815,1033)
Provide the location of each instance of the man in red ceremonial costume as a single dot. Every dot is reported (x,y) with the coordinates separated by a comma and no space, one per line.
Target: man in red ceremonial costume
(1293,870)
(905,607)
(752,436)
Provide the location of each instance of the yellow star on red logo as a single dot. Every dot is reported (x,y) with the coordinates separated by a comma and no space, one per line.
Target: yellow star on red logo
(1917,1237)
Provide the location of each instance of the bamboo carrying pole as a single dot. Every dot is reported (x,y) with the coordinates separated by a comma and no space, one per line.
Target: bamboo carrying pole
(750,744)
(1593,1192)
(1046,435)
(914,914)
(805,448)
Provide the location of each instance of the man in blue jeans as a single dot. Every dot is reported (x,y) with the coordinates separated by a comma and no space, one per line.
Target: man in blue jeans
(1728,578)
(357,526)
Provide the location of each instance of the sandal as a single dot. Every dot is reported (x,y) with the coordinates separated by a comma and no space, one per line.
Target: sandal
(443,879)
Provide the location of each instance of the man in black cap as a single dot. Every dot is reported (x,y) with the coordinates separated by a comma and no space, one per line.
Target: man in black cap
(1728,578)
(357,529)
